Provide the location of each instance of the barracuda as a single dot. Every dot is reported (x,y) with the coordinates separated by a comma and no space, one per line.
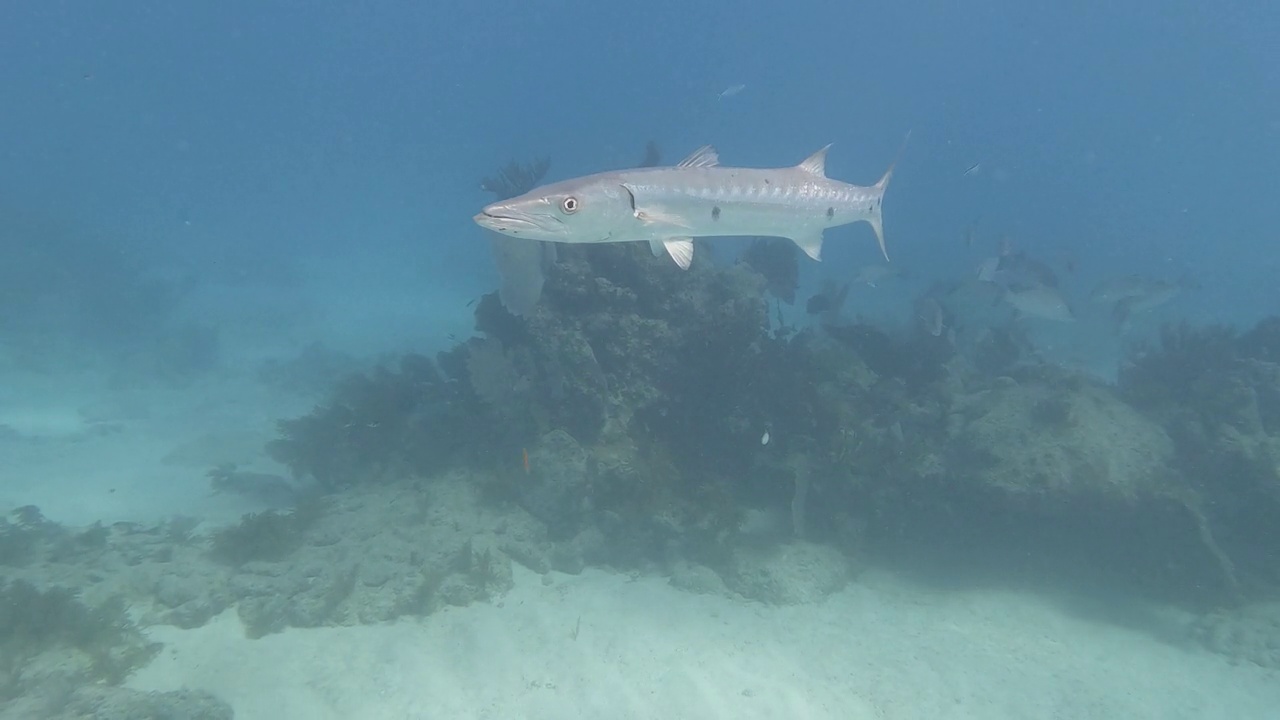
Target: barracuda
(669,206)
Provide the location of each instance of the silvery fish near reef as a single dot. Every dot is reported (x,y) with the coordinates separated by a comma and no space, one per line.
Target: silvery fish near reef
(1039,301)
(669,206)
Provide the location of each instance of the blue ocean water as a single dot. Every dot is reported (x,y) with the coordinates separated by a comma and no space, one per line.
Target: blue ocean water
(191,192)
(1126,138)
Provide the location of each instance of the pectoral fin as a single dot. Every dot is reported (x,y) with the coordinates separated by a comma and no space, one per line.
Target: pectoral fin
(521,266)
(651,215)
(657,216)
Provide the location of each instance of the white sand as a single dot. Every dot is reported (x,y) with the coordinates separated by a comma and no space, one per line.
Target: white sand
(83,452)
(645,650)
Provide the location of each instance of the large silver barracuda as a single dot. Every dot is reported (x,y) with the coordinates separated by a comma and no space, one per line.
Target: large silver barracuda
(669,206)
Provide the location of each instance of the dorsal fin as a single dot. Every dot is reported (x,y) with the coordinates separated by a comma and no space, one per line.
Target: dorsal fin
(705,156)
(816,164)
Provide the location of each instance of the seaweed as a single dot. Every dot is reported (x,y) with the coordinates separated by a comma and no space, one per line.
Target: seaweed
(1159,376)
(266,535)
(35,621)
(29,517)
(1262,342)
(516,178)
(67,546)
(28,532)
(916,362)
(384,424)
(18,544)
(652,155)
(482,574)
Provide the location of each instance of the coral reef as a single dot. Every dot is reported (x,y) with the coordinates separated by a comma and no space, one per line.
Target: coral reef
(266,535)
(639,397)
(410,420)
(1048,439)
(369,554)
(61,702)
(788,574)
(1217,393)
(380,552)
(776,259)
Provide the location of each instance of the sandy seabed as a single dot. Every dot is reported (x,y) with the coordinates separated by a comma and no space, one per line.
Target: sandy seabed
(609,646)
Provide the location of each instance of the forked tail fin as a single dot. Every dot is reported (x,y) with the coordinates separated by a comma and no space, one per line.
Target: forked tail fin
(876,220)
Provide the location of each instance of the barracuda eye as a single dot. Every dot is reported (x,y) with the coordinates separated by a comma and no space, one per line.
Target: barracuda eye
(569,205)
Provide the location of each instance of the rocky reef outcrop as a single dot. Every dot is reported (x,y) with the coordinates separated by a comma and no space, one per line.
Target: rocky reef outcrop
(646,416)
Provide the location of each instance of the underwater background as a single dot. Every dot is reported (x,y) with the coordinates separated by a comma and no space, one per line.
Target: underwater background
(272,442)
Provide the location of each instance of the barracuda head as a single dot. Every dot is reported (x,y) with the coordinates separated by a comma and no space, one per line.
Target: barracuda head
(594,209)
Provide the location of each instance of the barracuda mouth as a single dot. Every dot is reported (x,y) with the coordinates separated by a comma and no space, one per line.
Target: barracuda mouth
(511,221)
(505,221)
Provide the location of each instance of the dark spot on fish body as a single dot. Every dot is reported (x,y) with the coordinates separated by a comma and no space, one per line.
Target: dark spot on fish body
(831,212)
(715,212)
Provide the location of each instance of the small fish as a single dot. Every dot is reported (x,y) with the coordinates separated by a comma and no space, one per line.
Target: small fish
(1013,269)
(1117,289)
(1136,286)
(827,303)
(988,270)
(970,234)
(268,488)
(731,91)
(668,207)
(1039,301)
(764,439)
(929,315)
(818,304)
(973,169)
(873,275)
(525,452)
(1134,295)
